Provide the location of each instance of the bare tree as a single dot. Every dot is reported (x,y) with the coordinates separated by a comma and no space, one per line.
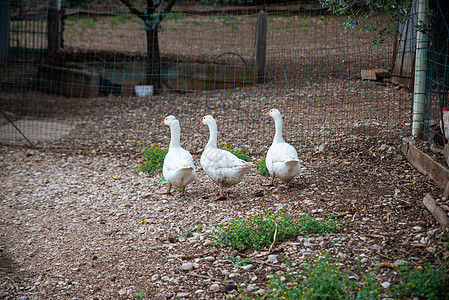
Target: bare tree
(152,16)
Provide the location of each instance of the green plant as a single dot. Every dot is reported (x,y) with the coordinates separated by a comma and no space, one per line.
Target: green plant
(312,225)
(241,153)
(244,201)
(262,230)
(429,282)
(142,294)
(188,233)
(320,278)
(152,160)
(174,16)
(262,167)
(199,228)
(245,262)
(89,22)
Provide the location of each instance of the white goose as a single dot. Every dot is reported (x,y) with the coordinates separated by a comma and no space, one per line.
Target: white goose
(223,167)
(282,159)
(178,168)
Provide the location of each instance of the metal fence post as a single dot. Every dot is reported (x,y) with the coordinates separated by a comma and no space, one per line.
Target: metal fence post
(54,26)
(261,44)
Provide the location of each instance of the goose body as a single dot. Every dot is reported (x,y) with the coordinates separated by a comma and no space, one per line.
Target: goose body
(223,167)
(282,159)
(178,169)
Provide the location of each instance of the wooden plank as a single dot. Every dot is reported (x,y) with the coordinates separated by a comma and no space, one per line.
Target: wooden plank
(436,211)
(368,75)
(425,164)
(69,82)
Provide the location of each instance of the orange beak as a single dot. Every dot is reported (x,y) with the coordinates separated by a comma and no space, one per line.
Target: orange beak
(201,124)
(267,114)
(163,123)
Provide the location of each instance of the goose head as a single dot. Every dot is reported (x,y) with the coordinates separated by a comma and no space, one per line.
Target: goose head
(208,120)
(168,121)
(274,113)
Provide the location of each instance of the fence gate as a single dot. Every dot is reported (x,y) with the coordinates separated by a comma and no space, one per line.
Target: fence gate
(28,31)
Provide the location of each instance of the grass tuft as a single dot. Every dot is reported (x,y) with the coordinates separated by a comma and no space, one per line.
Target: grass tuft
(428,282)
(261,230)
(241,153)
(262,168)
(152,160)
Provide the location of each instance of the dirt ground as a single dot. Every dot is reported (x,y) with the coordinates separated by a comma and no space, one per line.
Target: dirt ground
(71,219)
(70,224)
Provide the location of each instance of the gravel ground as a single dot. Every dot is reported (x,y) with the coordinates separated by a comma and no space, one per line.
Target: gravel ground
(70,220)
(70,224)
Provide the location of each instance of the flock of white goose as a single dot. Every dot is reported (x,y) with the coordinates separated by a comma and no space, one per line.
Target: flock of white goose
(223,167)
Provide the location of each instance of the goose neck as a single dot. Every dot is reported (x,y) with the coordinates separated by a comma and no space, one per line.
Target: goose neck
(278,133)
(213,135)
(175,132)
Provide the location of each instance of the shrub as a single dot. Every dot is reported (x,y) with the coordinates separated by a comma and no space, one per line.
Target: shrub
(261,230)
(241,153)
(262,167)
(152,160)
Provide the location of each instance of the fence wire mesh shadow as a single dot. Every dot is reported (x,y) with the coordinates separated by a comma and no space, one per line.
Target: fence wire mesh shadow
(84,97)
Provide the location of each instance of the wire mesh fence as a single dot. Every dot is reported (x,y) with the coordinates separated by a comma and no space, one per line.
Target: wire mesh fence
(437,75)
(84,95)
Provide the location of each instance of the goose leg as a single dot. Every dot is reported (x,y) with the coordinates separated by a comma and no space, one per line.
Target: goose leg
(168,191)
(182,191)
(221,195)
(271,183)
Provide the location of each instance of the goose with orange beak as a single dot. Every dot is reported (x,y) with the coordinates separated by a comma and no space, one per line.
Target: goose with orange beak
(223,167)
(178,169)
(282,159)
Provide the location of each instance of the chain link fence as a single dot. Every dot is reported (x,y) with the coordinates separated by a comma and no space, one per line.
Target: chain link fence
(334,88)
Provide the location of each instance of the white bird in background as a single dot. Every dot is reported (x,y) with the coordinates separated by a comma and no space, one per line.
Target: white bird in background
(178,168)
(282,159)
(223,167)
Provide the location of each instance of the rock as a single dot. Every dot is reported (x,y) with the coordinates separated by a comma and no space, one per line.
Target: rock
(417,228)
(386,285)
(155,277)
(209,258)
(384,147)
(272,259)
(199,291)
(250,288)
(187,266)
(323,147)
(234,275)
(247,267)
(214,288)
(182,295)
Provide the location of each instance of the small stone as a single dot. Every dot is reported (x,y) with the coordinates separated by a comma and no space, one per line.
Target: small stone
(187,266)
(182,295)
(199,291)
(250,288)
(234,275)
(400,262)
(323,147)
(209,258)
(272,259)
(364,260)
(384,147)
(386,285)
(155,277)
(247,267)
(214,288)
(417,228)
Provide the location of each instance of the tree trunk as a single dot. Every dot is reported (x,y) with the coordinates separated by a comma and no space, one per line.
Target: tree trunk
(153,60)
